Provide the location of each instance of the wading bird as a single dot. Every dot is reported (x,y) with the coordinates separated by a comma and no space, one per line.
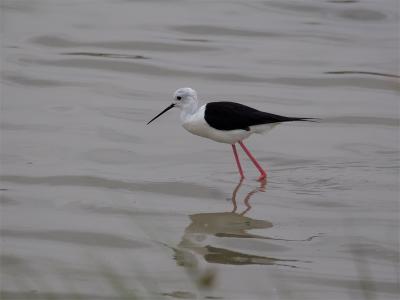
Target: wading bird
(225,122)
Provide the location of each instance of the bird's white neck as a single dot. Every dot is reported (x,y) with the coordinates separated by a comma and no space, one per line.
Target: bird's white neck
(188,109)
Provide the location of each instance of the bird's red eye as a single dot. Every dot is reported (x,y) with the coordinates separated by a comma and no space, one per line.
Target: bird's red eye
(179,98)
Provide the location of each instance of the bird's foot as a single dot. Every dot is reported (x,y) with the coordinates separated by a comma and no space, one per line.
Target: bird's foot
(262,177)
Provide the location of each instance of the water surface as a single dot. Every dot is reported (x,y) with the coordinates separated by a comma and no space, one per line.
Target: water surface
(97,205)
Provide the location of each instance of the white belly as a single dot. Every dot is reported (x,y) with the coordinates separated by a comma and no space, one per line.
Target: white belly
(197,125)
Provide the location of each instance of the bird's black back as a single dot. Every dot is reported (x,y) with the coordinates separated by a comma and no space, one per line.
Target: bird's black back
(231,115)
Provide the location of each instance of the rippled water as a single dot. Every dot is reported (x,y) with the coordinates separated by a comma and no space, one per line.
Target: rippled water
(97,205)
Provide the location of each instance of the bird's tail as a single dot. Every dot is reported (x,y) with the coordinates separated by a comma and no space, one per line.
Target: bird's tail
(306,119)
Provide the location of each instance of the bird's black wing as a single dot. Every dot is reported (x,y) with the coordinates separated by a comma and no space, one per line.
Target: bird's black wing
(231,115)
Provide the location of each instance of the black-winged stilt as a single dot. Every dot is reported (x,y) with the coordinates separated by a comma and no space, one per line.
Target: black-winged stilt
(224,122)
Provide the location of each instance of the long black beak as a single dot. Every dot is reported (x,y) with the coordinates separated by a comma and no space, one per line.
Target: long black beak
(165,110)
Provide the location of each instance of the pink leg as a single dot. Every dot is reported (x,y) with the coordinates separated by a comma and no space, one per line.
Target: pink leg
(255,162)
(237,161)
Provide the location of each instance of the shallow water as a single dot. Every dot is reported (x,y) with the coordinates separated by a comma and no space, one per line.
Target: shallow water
(97,205)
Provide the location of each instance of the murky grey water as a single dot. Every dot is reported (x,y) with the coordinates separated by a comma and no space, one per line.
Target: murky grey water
(95,205)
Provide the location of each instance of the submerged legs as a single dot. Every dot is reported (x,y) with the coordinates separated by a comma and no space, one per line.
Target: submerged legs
(237,161)
(263,175)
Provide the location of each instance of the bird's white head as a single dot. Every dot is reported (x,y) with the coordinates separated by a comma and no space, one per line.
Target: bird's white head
(185,99)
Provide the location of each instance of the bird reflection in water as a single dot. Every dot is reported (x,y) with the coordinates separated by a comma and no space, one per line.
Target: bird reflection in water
(207,228)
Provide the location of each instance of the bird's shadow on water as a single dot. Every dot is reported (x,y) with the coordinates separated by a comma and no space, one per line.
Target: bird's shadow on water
(204,240)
